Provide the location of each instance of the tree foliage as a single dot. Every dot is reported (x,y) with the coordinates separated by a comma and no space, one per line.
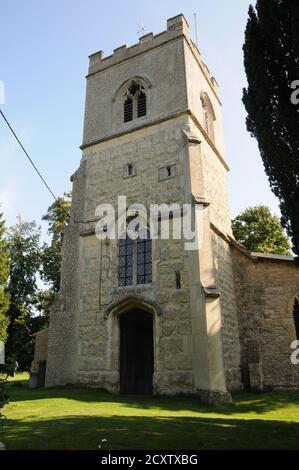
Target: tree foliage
(271,52)
(4,270)
(58,217)
(29,307)
(260,231)
(44,300)
(24,239)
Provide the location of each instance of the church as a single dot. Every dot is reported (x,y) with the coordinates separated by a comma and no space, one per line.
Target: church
(147,316)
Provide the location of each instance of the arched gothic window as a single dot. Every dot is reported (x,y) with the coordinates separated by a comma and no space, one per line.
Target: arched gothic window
(208,116)
(135,261)
(296,315)
(206,119)
(135,103)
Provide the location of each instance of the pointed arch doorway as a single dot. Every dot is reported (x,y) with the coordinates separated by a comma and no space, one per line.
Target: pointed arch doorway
(136,352)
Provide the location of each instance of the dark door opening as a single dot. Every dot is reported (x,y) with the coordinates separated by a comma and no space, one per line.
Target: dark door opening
(41,373)
(136,352)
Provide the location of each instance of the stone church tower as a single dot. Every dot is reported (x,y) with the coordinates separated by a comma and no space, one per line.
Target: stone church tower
(149,316)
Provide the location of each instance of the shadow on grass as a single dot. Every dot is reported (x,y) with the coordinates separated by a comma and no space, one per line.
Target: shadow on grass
(22,377)
(86,432)
(242,403)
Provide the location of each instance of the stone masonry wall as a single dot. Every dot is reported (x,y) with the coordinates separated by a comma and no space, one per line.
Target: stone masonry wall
(41,348)
(265,290)
(216,193)
(230,328)
(147,150)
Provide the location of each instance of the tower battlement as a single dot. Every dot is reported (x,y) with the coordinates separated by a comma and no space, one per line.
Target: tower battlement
(169,67)
(177,27)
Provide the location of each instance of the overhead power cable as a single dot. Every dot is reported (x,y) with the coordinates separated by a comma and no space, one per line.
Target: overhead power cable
(27,155)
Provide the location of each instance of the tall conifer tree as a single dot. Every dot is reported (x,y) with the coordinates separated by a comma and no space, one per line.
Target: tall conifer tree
(271,58)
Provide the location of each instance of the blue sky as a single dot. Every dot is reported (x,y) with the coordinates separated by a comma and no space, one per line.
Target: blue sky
(44,58)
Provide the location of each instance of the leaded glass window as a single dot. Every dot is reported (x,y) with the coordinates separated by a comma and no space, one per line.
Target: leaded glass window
(126,251)
(135,261)
(144,261)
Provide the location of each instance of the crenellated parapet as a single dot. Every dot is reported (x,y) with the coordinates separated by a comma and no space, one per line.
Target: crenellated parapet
(176,28)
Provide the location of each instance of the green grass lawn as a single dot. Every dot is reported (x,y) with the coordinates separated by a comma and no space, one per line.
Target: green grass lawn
(63,418)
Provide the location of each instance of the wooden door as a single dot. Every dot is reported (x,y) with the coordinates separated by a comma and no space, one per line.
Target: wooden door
(136,352)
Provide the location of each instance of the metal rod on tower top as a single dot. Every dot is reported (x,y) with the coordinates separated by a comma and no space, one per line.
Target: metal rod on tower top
(195,23)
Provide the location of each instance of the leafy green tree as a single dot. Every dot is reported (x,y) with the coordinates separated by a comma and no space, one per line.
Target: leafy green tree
(24,241)
(58,217)
(43,303)
(260,231)
(271,52)
(4,269)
